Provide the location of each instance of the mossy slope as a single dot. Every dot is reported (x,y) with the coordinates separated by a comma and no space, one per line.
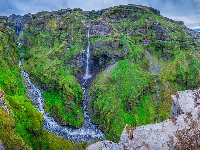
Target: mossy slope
(131,93)
(22,128)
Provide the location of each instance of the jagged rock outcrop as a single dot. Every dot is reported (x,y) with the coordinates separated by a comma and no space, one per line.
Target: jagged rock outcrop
(181,131)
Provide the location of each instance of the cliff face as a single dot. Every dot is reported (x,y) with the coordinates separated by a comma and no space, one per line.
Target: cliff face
(182,131)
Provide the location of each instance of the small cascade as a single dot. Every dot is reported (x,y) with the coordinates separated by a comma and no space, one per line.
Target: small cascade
(87,74)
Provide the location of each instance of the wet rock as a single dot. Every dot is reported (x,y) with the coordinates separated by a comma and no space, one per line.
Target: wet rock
(78,59)
(182,131)
(3,103)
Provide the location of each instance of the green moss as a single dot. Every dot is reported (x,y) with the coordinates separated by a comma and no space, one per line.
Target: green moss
(118,97)
(72,114)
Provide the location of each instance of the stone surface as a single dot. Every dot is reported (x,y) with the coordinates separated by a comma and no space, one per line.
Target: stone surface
(181,131)
(3,103)
(1,146)
(104,145)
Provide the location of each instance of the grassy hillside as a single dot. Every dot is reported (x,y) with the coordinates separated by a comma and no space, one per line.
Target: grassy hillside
(21,127)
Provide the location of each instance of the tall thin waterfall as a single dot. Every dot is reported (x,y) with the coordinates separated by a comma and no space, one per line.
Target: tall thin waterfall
(88,132)
(87,74)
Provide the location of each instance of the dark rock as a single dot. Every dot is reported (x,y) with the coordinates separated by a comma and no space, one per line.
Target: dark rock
(159,28)
(100,27)
(155,11)
(134,18)
(102,60)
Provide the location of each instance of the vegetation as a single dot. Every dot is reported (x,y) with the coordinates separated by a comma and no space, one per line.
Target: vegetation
(23,127)
(130,93)
(130,40)
(48,53)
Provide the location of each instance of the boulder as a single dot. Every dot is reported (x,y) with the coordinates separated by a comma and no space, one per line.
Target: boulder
(181,131)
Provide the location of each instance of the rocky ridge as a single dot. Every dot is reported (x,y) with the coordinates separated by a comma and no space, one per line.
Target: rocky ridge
(181,131)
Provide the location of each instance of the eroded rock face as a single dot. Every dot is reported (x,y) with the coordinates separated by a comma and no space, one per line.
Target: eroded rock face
(181,131)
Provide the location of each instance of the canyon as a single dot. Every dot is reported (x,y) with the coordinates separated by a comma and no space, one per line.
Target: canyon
(78,77)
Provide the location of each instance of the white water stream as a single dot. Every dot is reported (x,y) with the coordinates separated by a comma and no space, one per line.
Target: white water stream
(87,74)
(88,132)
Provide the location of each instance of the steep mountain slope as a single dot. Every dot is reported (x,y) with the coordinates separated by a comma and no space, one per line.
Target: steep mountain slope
(50,42)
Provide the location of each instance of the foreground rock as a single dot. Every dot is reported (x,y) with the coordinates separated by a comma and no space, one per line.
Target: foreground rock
(182,131)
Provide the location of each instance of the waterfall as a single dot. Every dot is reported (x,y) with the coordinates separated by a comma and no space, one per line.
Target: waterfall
(87,74)
(87,133)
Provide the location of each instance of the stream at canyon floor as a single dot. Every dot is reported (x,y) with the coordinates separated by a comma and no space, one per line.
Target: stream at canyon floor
(88,132)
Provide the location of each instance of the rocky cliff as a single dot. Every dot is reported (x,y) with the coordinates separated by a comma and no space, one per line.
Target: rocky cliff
(138,60)
(182,131)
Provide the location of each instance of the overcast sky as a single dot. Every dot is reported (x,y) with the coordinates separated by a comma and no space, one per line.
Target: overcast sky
(184,10)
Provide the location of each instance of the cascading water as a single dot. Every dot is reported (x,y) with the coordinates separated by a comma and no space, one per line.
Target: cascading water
(87,75)
(155,70)
(88,132)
